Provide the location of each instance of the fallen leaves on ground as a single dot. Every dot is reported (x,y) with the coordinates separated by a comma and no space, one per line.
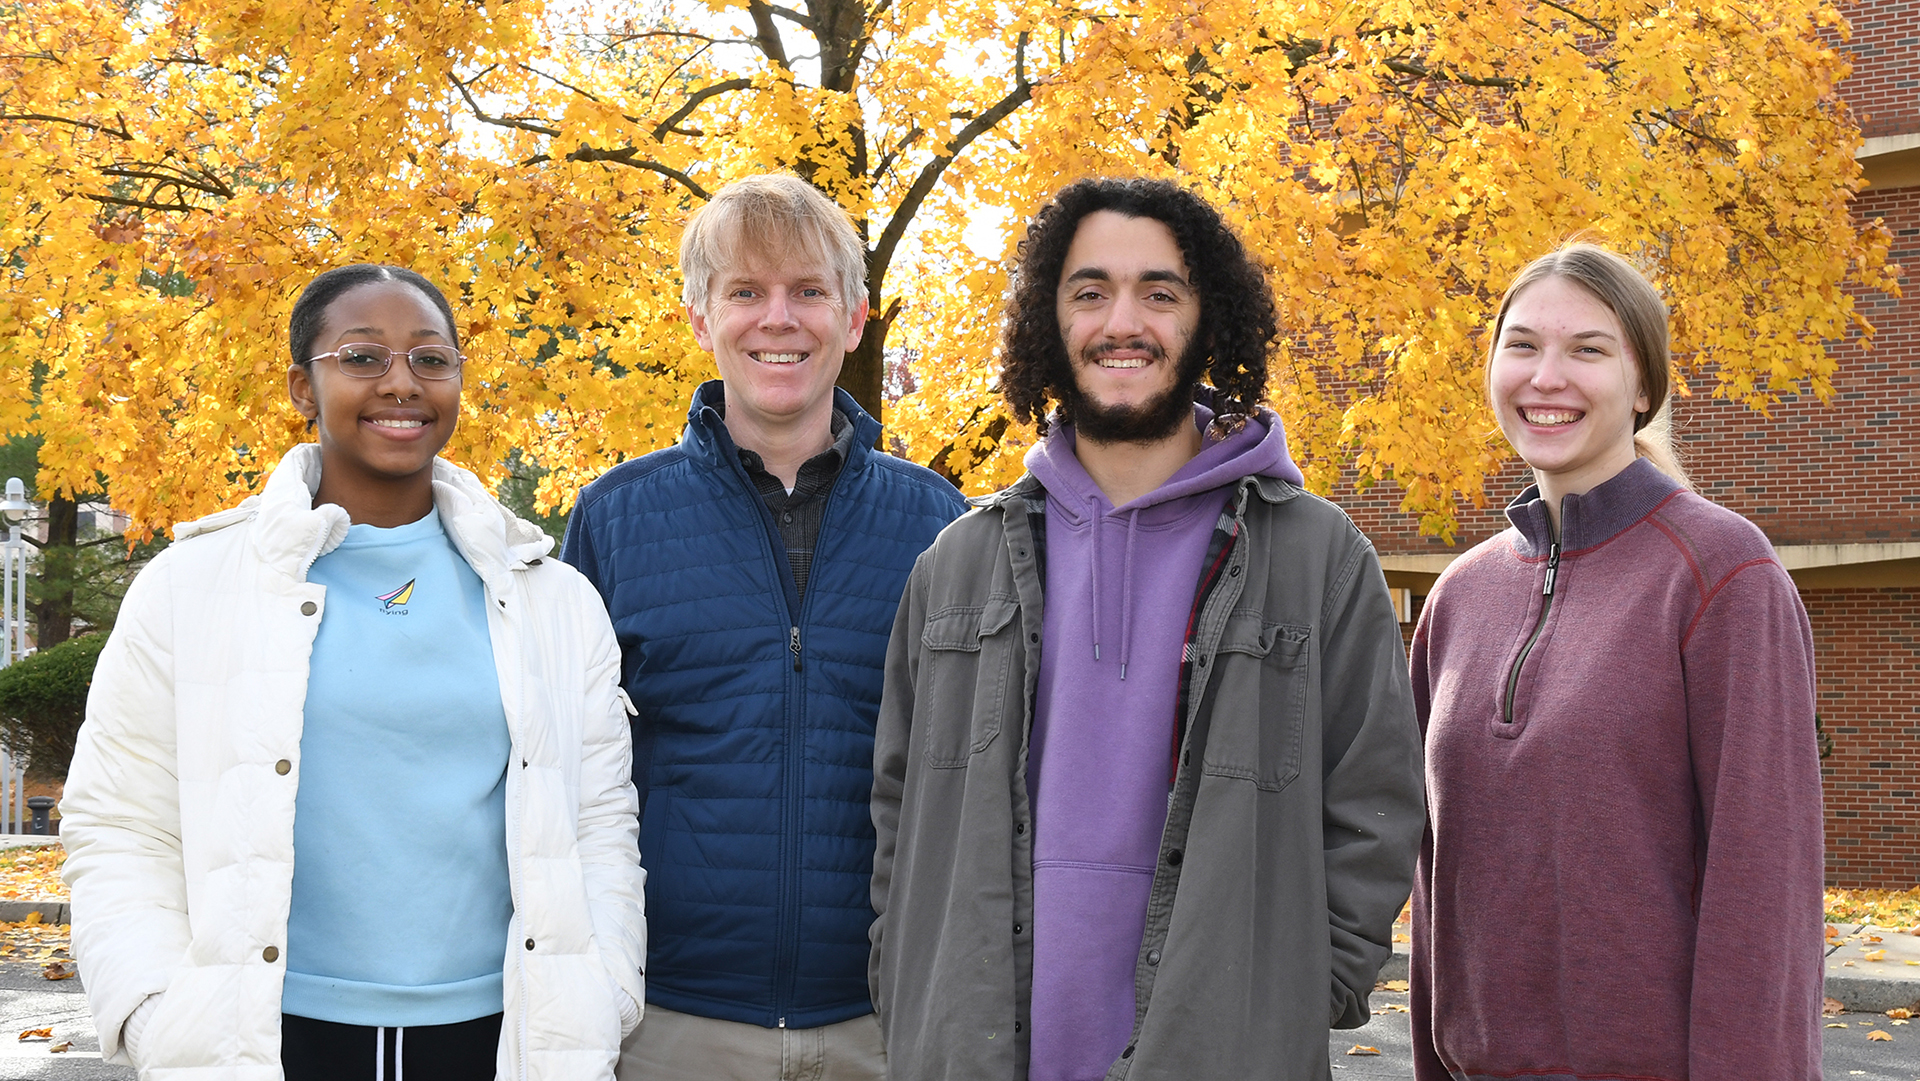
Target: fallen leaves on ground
(1899,1013)
(1876,955)
(35,941)
(1360,1049)
(1898,909)
(32,874)
(1391,985)
(60,970)
(1879,1036)
(1832,1007)
(37,1034)
(62,1046)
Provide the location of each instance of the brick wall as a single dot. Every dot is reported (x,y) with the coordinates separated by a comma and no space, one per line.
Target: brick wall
(1868,643)
(1884,89)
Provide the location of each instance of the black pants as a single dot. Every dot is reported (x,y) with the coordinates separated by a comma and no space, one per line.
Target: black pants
(327,1051)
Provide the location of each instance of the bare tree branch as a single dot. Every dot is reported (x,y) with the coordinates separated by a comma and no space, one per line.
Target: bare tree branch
(630,157)
(886,160)
(1572,14)
(767,35)
(120,133)
(694,101)
(165,176)
(499,121)
(929,176)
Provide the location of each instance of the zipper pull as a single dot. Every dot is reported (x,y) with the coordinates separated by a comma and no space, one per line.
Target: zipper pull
(1553,570)
(793,643)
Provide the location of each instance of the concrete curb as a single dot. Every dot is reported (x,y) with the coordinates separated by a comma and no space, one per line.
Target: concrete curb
(1860,994)
(50,911)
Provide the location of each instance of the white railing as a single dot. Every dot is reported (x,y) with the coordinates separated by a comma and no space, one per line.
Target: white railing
(13,796)
(13,645)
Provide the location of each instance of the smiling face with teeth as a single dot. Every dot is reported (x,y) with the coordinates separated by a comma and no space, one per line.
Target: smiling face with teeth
(378,437)
(1128,311)
(779,333)
(1565,386)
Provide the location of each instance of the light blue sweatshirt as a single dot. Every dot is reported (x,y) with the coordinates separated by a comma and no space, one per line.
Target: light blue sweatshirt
(400,891)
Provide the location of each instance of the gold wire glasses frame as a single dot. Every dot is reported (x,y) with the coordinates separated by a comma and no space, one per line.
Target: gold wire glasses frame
(365,360)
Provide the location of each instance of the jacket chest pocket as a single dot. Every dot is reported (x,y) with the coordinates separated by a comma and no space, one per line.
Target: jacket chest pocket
(966,665)
(1259,701)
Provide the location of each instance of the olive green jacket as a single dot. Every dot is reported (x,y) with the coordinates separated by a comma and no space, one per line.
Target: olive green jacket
(1292,827)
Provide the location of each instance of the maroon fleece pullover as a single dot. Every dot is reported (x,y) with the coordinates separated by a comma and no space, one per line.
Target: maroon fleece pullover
(1622,872)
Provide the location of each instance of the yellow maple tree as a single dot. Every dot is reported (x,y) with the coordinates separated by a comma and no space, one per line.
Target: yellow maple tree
(174,171)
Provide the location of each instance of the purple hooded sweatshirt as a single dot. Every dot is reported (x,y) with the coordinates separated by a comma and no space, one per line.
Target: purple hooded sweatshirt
(1120,585)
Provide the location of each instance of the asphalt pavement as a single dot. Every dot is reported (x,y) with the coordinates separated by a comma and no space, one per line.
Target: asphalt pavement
(1847,1053)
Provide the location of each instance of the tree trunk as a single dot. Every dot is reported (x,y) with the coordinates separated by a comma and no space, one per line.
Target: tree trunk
(861,375)
(52,601)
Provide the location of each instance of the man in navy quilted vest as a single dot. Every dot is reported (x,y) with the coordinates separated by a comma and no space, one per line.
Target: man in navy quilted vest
(752,573)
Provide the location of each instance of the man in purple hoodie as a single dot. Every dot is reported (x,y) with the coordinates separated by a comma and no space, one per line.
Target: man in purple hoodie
(1171,842)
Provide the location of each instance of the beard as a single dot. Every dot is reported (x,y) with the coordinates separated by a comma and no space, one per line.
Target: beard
(1150,421)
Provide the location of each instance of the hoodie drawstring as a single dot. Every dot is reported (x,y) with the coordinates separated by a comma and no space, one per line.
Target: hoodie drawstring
(1126,595)
(1093,516)
(1126,583)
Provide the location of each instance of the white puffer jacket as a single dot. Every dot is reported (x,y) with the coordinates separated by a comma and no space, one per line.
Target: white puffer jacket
(178,813)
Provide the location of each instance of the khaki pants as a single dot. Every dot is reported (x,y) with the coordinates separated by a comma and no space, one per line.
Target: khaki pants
(671,1046)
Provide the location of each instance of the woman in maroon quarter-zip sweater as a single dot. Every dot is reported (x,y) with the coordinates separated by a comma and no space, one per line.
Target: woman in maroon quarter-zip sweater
(1622,873)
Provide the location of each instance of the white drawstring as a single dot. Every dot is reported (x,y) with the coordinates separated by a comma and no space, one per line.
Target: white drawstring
(379,1054)
(399,1054)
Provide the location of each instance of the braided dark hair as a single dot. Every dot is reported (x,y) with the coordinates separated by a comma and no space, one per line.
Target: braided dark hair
(1237,320)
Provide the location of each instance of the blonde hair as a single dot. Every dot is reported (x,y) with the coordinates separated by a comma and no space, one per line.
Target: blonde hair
(1643,317)
(773,215)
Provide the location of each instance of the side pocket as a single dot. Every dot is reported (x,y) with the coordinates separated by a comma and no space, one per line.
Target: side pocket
(960,700)
(1259,695)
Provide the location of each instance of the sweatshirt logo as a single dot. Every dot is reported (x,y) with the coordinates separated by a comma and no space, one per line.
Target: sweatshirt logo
(398,598)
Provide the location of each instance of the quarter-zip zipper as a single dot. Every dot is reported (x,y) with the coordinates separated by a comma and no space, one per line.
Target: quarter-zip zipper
(793,643)
(1546,605)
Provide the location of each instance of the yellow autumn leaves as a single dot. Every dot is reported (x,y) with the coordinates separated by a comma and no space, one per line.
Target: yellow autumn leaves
(169,179)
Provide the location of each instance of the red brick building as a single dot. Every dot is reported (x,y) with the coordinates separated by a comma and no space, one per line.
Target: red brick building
(1836,487)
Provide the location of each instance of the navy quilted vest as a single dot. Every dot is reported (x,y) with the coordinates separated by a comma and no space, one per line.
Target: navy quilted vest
(753,747)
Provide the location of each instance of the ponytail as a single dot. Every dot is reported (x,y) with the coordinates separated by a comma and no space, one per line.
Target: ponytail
(1654,442)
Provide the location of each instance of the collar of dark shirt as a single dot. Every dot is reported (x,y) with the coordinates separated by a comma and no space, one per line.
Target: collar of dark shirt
(822,466)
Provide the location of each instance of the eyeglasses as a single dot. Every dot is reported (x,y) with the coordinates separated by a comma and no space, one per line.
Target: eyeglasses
(365,360)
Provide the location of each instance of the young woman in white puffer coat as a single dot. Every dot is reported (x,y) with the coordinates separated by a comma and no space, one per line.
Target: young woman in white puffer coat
(352,798)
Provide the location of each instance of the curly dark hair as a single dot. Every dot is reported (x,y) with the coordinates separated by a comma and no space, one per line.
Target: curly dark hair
(1237,320)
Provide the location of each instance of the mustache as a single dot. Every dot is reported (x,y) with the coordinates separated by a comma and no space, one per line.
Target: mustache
(1093,353)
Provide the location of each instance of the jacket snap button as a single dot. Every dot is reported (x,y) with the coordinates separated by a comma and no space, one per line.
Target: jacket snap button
(1017,928)
(1020,827)
(1016,1026)
(529,943)
(308,608)
(1233,572)
(1128,1053)
(1034,637)
(1201,660)
(283,767)
(271,953)
(1153,957)
(1173,858)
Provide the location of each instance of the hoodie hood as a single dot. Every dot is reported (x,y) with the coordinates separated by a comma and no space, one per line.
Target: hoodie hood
(1258,448)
